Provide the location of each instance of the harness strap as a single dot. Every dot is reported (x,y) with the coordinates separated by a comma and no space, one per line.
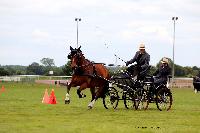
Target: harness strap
(94,70)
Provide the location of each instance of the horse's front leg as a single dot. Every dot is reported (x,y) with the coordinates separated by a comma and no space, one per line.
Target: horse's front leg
(67,98)
(82,87)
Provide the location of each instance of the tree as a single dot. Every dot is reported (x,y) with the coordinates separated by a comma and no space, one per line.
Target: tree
(11,70)
(58,71)
(179,71)
(3,72)
(49,65)
(195,68)
(15,69)
(35,69)
(152,70)
(67,69)
(47,62)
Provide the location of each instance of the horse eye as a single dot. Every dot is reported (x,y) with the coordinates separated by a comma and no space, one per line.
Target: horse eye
(69,56)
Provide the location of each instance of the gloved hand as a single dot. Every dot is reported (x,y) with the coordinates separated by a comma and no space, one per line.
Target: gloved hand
(127,63)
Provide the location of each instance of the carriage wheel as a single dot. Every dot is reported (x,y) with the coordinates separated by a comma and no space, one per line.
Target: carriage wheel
(164,99)
(141,99)
(128,99)
(111,98)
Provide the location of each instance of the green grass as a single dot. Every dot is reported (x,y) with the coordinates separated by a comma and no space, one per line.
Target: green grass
(21,111)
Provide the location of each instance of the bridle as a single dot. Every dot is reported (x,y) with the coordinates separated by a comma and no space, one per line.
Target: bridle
(79,63)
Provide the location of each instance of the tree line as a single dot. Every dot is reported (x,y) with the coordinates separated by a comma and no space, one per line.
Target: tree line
(47,64)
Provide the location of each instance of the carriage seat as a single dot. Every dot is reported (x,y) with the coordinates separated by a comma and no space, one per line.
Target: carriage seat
(150,79)
(97,63)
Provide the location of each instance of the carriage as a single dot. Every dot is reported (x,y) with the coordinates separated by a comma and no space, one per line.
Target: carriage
(137,92)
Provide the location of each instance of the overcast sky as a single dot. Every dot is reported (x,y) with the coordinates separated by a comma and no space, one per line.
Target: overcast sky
(33,29)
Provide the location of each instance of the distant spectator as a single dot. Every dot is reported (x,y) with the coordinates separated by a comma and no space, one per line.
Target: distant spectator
(197,78)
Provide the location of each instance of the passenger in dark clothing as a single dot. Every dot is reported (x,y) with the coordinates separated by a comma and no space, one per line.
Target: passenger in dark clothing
(162,72)
(142,59)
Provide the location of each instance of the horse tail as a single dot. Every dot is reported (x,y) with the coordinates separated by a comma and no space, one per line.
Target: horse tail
(105,89)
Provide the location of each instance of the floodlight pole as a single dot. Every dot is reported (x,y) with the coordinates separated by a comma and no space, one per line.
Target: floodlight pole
(173,70)
(77,20)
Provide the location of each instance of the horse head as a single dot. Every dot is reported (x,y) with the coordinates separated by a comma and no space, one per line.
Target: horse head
(74,52)
(77,59)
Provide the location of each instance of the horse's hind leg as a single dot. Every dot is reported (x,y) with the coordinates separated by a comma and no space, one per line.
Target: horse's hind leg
(100,93)
(97,95)
(92,90)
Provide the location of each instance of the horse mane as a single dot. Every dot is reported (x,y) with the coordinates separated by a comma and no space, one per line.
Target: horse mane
(94,62)
(87,59)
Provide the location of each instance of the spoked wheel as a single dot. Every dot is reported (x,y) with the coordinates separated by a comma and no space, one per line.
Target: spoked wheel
(128,99)
(164,99)
(141,99)
(111,98)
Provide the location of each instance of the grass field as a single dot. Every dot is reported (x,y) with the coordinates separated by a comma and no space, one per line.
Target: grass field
(21,111)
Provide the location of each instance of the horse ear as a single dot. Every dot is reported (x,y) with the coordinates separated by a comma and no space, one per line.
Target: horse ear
(79,49)
(71,48)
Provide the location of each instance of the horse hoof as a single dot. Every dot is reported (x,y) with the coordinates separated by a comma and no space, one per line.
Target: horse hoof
(89,107)
(82,96)
(67,101)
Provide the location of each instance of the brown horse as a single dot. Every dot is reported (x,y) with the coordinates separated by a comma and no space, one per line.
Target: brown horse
(87,75)
(78,80)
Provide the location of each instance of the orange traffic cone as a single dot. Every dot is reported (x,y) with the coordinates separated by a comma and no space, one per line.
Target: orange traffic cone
(45,97)
(2,88)
(52,98)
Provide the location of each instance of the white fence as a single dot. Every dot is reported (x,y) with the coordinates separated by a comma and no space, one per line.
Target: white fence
(183,83)
(32,78)
(178,82)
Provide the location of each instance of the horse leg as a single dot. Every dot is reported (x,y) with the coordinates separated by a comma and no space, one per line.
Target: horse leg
(97,95)
(92,90)
(100,93)
(82,87)
(67,98)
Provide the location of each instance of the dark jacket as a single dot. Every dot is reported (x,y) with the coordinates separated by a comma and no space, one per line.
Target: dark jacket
(141,59)
(163,72)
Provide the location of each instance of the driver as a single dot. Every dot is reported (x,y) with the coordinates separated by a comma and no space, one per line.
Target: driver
(142,59)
